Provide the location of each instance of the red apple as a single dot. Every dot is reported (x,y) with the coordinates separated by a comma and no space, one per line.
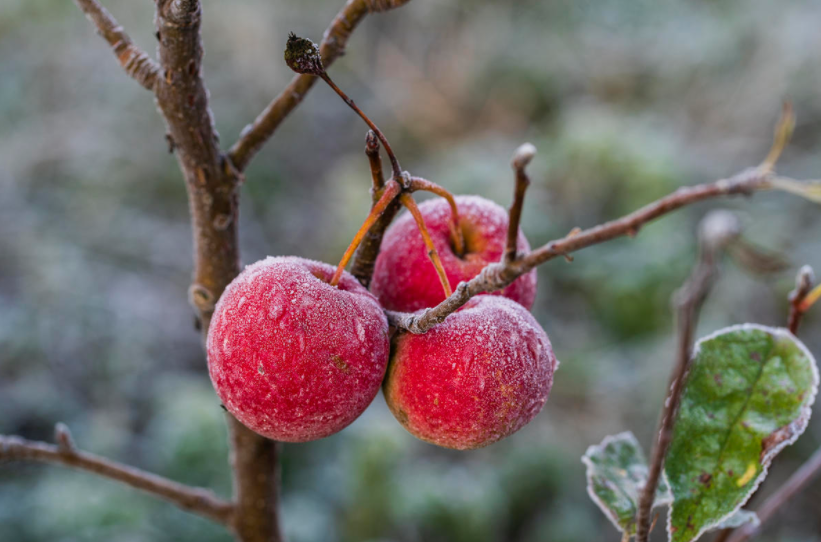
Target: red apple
(474,379)
(405,280)
(292,357)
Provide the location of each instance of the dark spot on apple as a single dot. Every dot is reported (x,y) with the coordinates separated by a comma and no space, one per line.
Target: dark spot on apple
(755,356)
(340,364)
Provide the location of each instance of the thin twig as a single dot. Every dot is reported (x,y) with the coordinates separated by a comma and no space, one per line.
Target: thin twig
(365,258)
(803,286)
(194,499)
(805,474)
(521,158)
(392,189)
(499,275)
(136,63)
(717,230)
(456,234)
(372,152)
(433,254)
(332,47)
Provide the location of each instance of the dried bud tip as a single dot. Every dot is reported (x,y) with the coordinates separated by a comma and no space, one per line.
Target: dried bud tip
(302,56)
(63,437)
(523,155)
(371,141)
(805,278)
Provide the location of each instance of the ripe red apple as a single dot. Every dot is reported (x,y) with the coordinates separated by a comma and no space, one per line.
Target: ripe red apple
(405,280)
(292,357)
(474,379)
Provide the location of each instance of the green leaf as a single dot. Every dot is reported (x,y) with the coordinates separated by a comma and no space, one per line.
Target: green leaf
(616,474)
(747,396)
(737,519)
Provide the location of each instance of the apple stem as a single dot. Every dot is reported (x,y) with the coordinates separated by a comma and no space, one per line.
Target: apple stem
(407,201)
(392,189)
(521,158)
(456,235)
(372,152)
(397,171)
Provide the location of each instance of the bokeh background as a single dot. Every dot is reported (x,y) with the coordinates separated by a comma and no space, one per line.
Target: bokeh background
(625,100)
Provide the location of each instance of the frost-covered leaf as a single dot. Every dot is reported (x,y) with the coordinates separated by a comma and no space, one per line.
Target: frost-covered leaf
(616,474)
(748,394)
(737,519)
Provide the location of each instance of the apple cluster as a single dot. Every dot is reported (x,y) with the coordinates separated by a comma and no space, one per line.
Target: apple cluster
(295,358)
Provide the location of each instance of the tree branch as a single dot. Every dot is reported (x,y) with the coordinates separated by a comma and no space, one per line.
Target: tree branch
(194,499)
(332,47)
(212,184)
(797,482)
(717,230)
(500,275)
(136,63)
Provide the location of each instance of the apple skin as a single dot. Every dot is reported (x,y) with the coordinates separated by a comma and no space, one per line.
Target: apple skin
(404,278)
(293,358)
(474,379)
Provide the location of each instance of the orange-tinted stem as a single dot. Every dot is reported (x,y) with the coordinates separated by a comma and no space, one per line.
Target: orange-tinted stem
(407,201)
(392,188)
(456,235)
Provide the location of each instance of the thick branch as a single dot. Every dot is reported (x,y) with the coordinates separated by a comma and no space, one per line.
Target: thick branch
(332,47)
(498,276)
(718,229)
(194,499)
(212,184)
(136,63)
(797,482)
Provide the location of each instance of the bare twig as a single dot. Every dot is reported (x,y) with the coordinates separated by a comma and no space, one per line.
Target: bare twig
(717,230)
(136,63)
(500,275)
(797,482)
(194,499)
(803,285)
(433,254)
(365,258)
(372,152)
(521,158)
(332,47)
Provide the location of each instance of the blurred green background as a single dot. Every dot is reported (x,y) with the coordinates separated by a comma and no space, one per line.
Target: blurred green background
(625,100)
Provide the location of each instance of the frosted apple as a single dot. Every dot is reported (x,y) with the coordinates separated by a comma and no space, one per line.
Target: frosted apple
(405,280)
(292,357)
(474,379)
